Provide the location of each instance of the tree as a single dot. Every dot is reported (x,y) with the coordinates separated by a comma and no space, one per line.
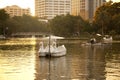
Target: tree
(28,23)
(3,15)
(116,23)
(63,25)
(3,18)
(103,19)
(68,25)
(106,17)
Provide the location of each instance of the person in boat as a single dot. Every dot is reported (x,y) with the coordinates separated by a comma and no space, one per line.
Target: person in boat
(92,40)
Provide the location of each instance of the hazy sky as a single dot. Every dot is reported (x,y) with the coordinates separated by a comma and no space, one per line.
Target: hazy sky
(24,3)
(20,3)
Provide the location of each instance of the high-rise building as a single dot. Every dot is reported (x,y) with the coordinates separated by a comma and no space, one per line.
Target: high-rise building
(16,11)
(85,8)
(50,8)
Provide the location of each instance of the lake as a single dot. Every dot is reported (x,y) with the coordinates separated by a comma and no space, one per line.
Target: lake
(19,61)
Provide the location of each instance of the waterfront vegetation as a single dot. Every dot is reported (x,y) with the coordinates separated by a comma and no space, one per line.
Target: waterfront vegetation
(105,21)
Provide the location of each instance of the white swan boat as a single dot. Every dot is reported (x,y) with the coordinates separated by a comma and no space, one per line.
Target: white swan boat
(107,39)
(51,49)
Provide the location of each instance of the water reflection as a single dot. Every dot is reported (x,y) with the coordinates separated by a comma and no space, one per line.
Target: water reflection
(21,62)
(53,68)
(81,63)
(17,62)
(95,62)
(113,63)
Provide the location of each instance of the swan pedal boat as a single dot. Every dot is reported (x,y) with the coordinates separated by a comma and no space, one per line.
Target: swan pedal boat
(54,52)
(51,49)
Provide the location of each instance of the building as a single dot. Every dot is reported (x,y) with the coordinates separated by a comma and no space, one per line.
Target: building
(16,11)
(48,9)
(85,8)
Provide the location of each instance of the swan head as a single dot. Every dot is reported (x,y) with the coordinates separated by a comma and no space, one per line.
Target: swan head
(41,43)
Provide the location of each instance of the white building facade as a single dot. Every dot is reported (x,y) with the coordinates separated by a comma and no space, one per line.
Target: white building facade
(48,9)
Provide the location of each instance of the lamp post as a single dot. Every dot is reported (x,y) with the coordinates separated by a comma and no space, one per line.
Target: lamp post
(5,30)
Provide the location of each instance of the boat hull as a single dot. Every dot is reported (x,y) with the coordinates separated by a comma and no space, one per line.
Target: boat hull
(42,54)
(60,51)
(58,54)
(55,54)
(89,44)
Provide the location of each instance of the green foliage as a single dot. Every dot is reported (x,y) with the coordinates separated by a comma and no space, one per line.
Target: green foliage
(28,24)
(106,21)
(107,18)
(23,23)
(116,23)
(3,18)
(3,15)
(68,25)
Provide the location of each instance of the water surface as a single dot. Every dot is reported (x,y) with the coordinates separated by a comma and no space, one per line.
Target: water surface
(19,61)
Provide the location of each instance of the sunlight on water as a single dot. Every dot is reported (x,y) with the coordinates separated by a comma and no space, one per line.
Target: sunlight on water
(19,41)
(82,63)
(113,69)
(19,63)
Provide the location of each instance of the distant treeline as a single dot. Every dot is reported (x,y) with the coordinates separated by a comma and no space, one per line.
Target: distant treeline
(105,21)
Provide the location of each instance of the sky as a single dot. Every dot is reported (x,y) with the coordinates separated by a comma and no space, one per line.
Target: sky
(20,3)
(25,4)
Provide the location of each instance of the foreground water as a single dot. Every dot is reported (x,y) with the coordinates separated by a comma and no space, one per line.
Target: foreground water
(19,61)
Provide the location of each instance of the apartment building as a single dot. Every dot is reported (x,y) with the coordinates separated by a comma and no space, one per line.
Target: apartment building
(15,10)
(48,9)
(85,8)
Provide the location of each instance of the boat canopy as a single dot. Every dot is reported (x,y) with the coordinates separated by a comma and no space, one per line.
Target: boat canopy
(52,37)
